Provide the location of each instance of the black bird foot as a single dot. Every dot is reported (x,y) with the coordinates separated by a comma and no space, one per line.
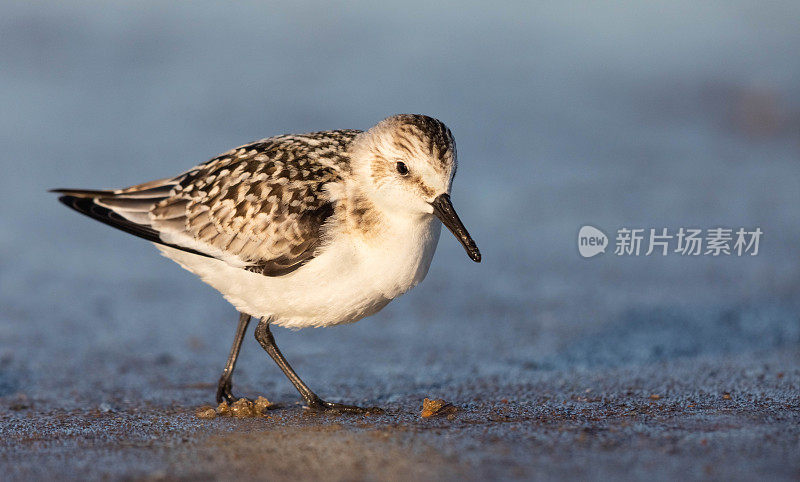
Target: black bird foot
(224,392)
(322,406)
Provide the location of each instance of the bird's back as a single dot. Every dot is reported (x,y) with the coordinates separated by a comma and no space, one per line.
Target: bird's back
(260,206)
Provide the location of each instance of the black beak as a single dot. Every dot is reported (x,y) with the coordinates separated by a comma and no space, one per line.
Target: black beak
(443,209)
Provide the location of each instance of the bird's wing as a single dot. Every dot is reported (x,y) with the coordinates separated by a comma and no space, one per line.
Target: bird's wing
(261,206)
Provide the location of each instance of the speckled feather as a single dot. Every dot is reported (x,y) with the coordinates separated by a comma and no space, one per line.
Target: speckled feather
(261,206)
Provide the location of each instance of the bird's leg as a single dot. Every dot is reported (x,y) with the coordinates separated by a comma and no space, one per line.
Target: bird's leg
(267,341)
(224,386)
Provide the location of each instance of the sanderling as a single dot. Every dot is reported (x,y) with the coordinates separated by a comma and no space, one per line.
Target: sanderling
(302,230)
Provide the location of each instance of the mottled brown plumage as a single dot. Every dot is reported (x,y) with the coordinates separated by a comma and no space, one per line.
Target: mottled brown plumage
(261,205)
(264,201)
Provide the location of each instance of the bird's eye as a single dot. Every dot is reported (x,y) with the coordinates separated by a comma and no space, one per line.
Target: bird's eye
(401,168)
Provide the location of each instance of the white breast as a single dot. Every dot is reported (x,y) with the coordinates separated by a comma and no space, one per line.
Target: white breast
(351,278)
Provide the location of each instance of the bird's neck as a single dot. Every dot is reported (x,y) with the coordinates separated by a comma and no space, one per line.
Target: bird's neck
(374,222)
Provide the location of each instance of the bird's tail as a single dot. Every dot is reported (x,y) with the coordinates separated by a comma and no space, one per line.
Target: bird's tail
(125,209)
(83,193)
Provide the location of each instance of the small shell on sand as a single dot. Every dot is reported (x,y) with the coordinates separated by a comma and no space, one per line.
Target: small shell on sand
(431,408)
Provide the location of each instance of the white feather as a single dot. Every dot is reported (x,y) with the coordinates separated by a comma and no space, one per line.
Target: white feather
(350,278)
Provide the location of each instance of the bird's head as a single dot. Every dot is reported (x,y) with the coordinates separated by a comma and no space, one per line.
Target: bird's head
(408,162)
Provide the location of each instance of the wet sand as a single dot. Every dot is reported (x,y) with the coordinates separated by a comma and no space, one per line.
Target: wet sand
(729,418)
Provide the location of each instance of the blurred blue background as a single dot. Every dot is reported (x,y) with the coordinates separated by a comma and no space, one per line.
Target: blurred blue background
(656,115)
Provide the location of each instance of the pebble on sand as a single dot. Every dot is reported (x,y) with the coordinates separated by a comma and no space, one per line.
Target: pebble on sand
(205,412)
(223,410)
(431,408)
(242,408)
(260,405)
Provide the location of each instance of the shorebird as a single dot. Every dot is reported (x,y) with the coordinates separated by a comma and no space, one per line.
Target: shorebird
(301,231)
